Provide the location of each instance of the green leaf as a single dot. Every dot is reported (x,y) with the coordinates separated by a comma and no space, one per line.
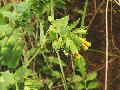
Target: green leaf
(49,83)
(63,30)
(29,29)
(11,57)
(80,63)
(14,60)
(3,86)
(56,74)
(6,51)
(5,29)
(91,76)
(30,52)
(61,22)
(75,39)
(60,4)
(80,86)
(8,78)
(10,15)
(80,31)
(3,20)
(93,85)
(54,60)
(73,25)
(14,37)
(77,78)
(22,73)
(52,34)
(22,7)
(31,84)
(6,7)
(50,18)
(57,44)
(73,48)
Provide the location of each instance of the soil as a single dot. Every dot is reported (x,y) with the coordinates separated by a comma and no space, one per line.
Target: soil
(96,35)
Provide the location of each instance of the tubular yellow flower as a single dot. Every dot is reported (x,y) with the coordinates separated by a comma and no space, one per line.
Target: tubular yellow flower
(85,47)
(77,56)
(88,44)
(85,44)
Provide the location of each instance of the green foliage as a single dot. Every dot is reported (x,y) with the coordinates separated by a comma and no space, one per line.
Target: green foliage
(80,64)
(32,43)
(20,76)
(87,81)
(62,36)
(91,76)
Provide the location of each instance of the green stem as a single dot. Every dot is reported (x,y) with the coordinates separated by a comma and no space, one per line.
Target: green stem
(84,13)
(110,54)
(85,85)
(63,76)
(73,67)
(15,46)
(46,61)
(37,52)
(17,86)
(52,8)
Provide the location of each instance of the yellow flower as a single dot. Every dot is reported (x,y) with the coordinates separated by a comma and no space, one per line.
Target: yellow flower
(88,43)
(85,47)
(77,56)
(85,44)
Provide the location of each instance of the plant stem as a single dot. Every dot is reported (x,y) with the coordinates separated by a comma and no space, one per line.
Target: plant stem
(85,85)
(106,69)
(27,64)
(73,67)
(15,46)
(84,13)
(95,14)
(103,52)
(46,61)
(63,76)
(52,8)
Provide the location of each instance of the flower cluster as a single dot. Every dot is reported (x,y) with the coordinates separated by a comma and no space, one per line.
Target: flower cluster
(77,56)
(85,44)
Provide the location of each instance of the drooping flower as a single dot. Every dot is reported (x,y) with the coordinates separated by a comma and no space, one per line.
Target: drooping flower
(77,56)
(85,44)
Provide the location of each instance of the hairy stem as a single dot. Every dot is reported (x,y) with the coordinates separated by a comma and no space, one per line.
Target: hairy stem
(63,76)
